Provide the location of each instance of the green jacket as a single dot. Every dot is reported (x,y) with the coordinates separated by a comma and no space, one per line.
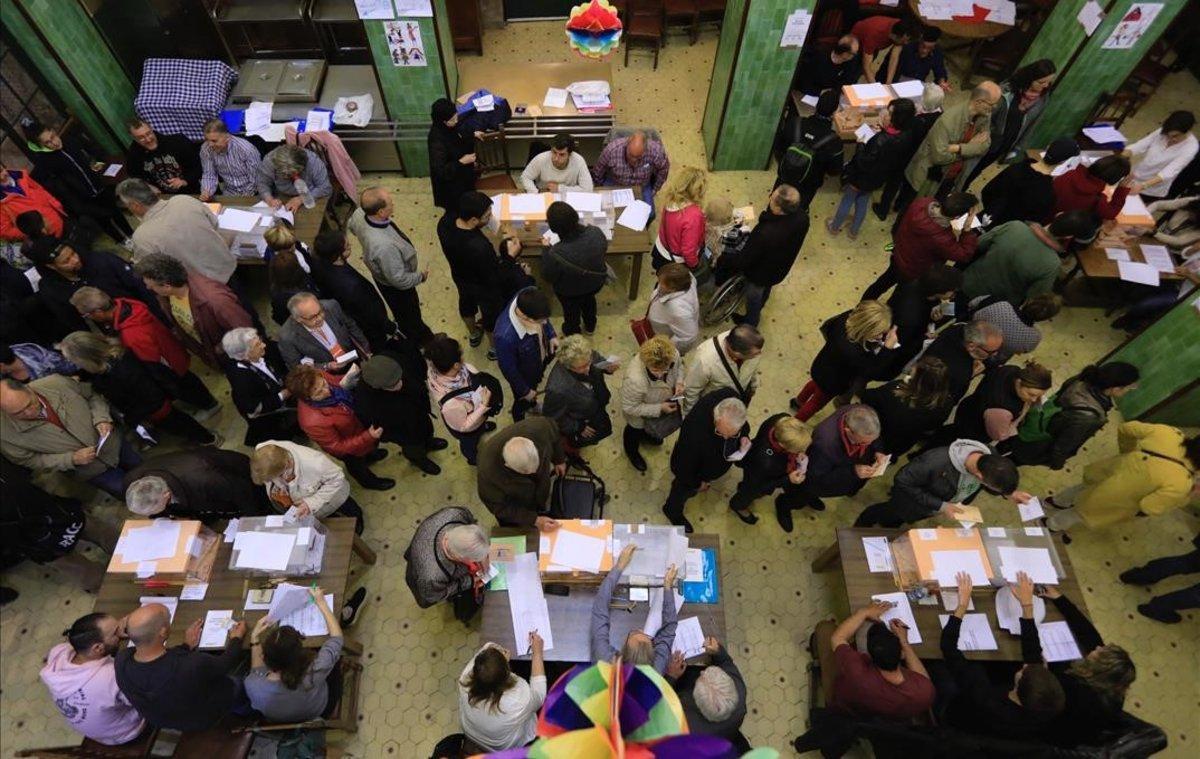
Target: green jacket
(1014,261)
(934,151)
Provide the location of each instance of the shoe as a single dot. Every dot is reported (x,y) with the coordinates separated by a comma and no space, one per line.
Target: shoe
(829,228)
(488,426)
(426,466)
(217,441)
(1138,576)
(491,355)
(635,458)
(1052,503)
(7,596)
(379,454)
(850,233)
(437,444)
(816,504)
(749,517)
(475,339)
(880,212)
(352,606)
(379,483)
(1167,617)
(793,404)
(683,522)
(649,439)
(589,330)
(783,515)
(204,414)
(806,743)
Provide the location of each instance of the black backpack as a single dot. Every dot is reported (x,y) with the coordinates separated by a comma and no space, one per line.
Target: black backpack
(797,162)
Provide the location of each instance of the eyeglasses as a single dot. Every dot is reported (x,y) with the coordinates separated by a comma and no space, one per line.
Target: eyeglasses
(311,318)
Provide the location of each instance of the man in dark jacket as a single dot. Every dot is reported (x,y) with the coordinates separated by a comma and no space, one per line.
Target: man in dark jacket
(776,460)
(830,70)
(525,343)
(338,280)
(202,483)
(170,162)
(514,472)
(451,156)
(917,306)
(770,250)
(318,332)
(713,436)
(965,348)
(388,397)
(574,266)
(928,234)
(816,134)
(1024,191)
(713,697)
(473,262)
(844,454)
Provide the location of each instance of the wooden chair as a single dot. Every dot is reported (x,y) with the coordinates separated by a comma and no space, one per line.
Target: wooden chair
(681,13)
(136,750)
(708,12)
(646,22)
(344,716)
(491,160)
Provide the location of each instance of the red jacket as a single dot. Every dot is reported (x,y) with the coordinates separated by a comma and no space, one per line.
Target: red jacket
(1078,190)
(682,233)
(335,428)
(146,337)
(36,198)
(920,243)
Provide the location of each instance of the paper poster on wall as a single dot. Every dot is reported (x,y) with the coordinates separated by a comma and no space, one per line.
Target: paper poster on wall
(423,8)
(376,10)
(795,29)
(1090,16)
(1132,26)
(404,42)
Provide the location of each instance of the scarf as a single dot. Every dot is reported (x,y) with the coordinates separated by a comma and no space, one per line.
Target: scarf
(1028,99)
(793,459)
(338,395)
(954,169)
(854,450)
(476,570)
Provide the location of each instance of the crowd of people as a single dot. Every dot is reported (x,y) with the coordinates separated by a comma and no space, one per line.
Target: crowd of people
(935,362)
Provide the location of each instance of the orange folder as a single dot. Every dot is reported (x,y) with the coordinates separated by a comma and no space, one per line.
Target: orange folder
(593,528)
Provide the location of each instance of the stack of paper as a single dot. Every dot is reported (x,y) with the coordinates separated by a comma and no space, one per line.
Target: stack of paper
(237,220)
(689,638)
(555,98)
(1142,274)
(584,202)
(527,604)
(1158,257)
(910,89)
(258,116)
(635,216)
(1104,134)
(317,121)
(158,541)
(975,633)
(654,613)
(1058,644)
(1034,562)
(879,554)
(306,619)
(264,550)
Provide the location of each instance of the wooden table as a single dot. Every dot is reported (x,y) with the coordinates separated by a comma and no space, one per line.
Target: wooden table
(860,584)
(973,30)
(1095,263)
(526,84)
(570,615)
(227,587)
(307,226)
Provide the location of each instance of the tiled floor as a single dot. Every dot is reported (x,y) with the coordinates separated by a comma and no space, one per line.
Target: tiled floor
(773,599)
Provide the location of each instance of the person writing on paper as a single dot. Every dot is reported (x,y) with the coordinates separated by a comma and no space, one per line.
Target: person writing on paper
(638,648)
(229,164)
(178,688)
(559,169)
(776,460)
(515,471)
(288,173)
(858,343)
(81,677)
(843,456)
(498,710)
(1160,156)
(1023,711)
(319,333)
(1100,188)
(576,394)
(714,701)
(299,477)
(633,161)
(447,560)
(713,436)
(942,480)
(287,682)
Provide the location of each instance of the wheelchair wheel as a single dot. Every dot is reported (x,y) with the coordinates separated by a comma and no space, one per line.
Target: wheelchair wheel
(724,302)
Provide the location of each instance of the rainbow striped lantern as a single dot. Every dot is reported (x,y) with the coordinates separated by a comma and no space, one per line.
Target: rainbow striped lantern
(593,30)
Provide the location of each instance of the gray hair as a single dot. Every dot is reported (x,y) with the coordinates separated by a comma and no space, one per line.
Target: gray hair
(572,349)
(136,191)
(88,299)
(715,694)
(216,126)
(979,332)
(144,496)
(468,542)
(297,299)
(236,342)
(637,651)
(289,159)
(863,420)
(731,410)
(521,455)
(90,351)
(932,98)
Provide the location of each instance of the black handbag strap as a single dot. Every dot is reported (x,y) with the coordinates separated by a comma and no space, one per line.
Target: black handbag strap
(729,369)
(1168,458)
(464,390)
(563,260)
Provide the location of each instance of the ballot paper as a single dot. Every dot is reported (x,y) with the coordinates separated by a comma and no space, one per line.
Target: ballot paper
(975,633)
(872,91)
(654,613)
(1030,510)
(258,116)
(886,461)
(635,216)
(1142,274)
(879,554)
(577,551)
(527,604)
(1034,562)
(900,610)
(231,530)
(264,550)
(1065,166)
(622,198)
(947,565)
(950,600)
(113,170)
(1117,254)
(1008,610)
(194,591)
(147,544)
(237,220)
(864,133)
(171,602)
(103,439)
(350,355)
(1159,257)
(308,619)
(693,565)
(911,88)
(969,516)
(375,10)
(216,628)
(809,100)
(1058,644)
(584,202)
(556,97)
(275,520)
(317,121)
(689,638)
(526,203)
(1104,134)
(288,598)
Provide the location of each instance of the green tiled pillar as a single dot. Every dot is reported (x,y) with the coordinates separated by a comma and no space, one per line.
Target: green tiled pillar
(1095,70)
(62,41)
(1060,36)
(408,91)
(751,78)
(1168,355)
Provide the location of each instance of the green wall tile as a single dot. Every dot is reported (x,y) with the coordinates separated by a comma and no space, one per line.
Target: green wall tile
(1060,35)
(722,72)
(1168,355)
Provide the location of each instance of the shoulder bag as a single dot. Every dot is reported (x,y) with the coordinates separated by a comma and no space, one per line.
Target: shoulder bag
(641,328)
(737,384)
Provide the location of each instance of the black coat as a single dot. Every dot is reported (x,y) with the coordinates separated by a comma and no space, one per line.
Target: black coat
(998,390)
(253,392)
(131,389)
(840,362)
(67,174)
(176,156)
(102,270)
(765,468)
(450,179)
(474,266)
(771,248)
(575,266)
(1019,194)
(960,366)
(910,313)
(881,158)
(405,414)
(818,72)
(206,483)
(357,296)
(699,454)
(902,426)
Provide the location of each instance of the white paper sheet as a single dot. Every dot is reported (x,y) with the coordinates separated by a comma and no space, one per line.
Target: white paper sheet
(264,550)
(864,133)
(950,601)
(927,533)
(1035,562)
(258,116)
(414,9)
(157,541)
(879,554)
(171,602)
(654,613)
(1142,274)
(308,619)
(871,91)
(317,121)
(556,97)
(1058,644)
(902,611)
(288,598)
(484,103)
(996,532)
(1008,610)
(689,638)
(809,100)
(1117,254)
(527,604)
(1104,134)
(216,628)
(947,564)
(622,198)
(577,551)
(975,633)
(910,88)
(1090,16)
(635,216)
(377,10)
(1035,532)
(1159,257)
(237,220)
(194,591)
(113,170)
(1134,206)
(1031,510)
(526,203)
(584,202)
(693,563)
(231,530)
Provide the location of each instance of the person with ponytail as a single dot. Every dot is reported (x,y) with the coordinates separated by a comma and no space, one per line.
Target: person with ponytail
(499,710)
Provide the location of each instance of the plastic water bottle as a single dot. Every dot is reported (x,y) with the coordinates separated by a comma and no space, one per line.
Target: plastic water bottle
(305,196)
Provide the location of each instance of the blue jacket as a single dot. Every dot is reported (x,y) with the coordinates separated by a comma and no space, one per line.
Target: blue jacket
(519,357)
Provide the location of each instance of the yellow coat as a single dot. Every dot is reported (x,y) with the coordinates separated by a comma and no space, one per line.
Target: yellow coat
(1117,488)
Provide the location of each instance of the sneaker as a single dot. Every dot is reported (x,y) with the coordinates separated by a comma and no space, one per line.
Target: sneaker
(475,340)
(683,522)
(1165,616)
(437,444)
(352,606)
(491,355)
(830,229)
(853,235)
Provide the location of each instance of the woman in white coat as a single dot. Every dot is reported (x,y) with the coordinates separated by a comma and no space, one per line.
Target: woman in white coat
(296,476)
(674,309)
(650,396)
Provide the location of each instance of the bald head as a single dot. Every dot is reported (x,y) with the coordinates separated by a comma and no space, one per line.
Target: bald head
(376,201)
(16,400)
(148,623)
(785,200)
(984,97)
(635,148)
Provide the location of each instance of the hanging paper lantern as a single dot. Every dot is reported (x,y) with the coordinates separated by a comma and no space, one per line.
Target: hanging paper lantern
(593,30)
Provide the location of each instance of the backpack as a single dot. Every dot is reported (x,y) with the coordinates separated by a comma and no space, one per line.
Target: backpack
(798,159)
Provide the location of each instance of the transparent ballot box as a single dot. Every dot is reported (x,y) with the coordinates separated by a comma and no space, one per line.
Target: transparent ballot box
(930,558)
(276,546)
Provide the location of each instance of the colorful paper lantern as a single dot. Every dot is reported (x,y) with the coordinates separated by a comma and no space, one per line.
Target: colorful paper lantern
(593,30)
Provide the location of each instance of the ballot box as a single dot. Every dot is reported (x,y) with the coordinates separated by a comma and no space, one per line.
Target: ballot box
(164,550)
(277,546)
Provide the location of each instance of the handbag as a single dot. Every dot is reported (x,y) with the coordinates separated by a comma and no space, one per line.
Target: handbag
(641,328)
(663,426)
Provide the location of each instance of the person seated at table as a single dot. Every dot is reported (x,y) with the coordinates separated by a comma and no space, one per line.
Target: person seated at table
(882,39)
(525,343)
(713,436)
(178,688)
(844,454)
(638,648)
(287,682)
(229,163)
(1024,190)
(574,267)
(325,410)
(858,344)
(576,396)
(177,226)
(81,677)
(559,169)
(1021,259)
(204,483)
(1017,325)
(498,709)
(318,333)
(55,424)
(1023,710)
(776,460)
(465,397)
(300,477)
(284,169)
(940,481)
(451,156)
(388,397)
(926,236)
(447,560)
(25,362)
(1160,156)
(633,161)
(1100,188)
(728,360)
(255,370)
(199,310)
(170,162)
(337,280)
(654,377)
(921,57)
(831,70)
(714,699)
(20,194)
(912,407)
(516,467)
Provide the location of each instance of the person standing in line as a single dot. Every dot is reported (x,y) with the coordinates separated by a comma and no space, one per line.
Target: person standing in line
(713,436)
(770,251)
(574,266)
(873,165)
(451,156)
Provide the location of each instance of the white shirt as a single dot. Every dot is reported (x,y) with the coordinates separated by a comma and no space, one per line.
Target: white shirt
(1158,159)
(513,723)
(324,336)
(261,366)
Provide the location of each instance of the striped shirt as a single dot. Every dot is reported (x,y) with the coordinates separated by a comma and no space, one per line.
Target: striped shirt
(612,168)
(236,168)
